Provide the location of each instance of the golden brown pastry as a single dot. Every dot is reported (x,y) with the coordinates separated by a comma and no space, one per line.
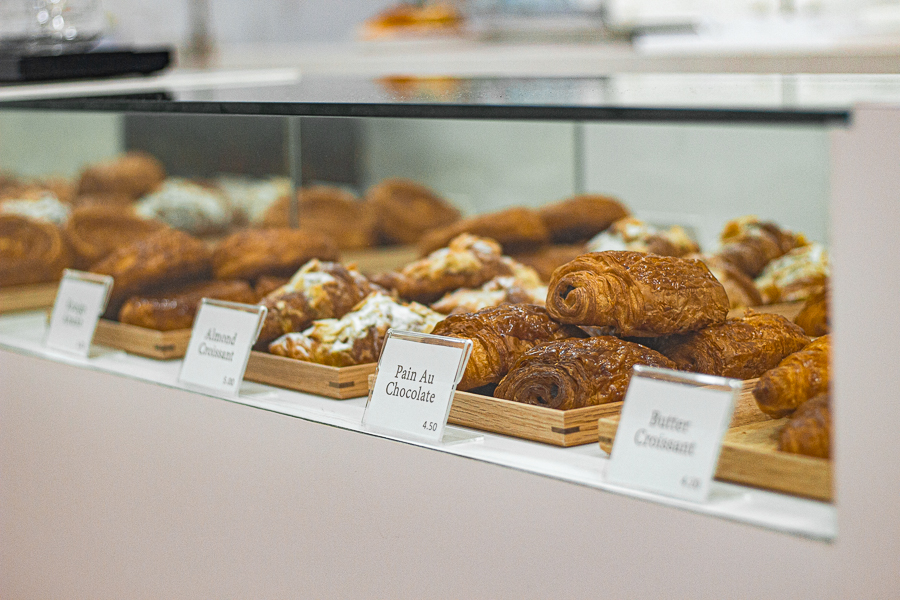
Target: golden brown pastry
(267,284)
(131,175)
(176,308)
(319,290)
(813,317)
(576,373)
(515,229)
(93,232)
(741,290)
(407,19)
(636,294)
(581,217)
(166,257)
(633,234)
(31,251)
(499,336)
(523,286)
(468,262)
(740,348)
(329,210)
(358,336)
(795,380)
(795,275)
(808,431)
(547,259)
(405,210)
(750,244)
(251,253)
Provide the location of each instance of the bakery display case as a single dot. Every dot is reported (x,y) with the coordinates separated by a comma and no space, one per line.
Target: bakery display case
(731,216)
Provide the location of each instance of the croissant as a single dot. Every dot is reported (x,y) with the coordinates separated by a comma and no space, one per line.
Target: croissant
(329,210)
(741,290)
(406,210)
(741,348)
(580,217)
(319,290)
(809,429)
(358,336)
(546,259)
(176,308)
(577,372)
(468,262)
(522,287)
(813,317)
(795,380)
(131,175)
(515,229)
(165,257)
(636,294)
(281,251)
(750,244)
(95,231)
(499,336)
(31,251)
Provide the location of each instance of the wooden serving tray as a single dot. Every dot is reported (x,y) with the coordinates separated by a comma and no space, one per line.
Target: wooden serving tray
(143,341)
(28,297)
(538,423)
(750,454)
(335,382)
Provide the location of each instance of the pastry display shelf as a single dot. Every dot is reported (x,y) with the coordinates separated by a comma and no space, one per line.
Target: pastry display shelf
(582,465)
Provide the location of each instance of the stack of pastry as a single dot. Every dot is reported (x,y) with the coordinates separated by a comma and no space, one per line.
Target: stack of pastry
(358,336)
(163,259)
(95,231)
(121,180)
(319,290)
(277,252)
(795,275)
(522,286)
(182,204)
(31,251)
(798,387)
(750,244)
(405,211)
(635,235)
(467,262)
(329,210)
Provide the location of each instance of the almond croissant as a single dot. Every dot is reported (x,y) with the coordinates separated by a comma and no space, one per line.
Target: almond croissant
(636,294)
(741,348)
(319,290)
(577,372)
(499,336)
(795,380)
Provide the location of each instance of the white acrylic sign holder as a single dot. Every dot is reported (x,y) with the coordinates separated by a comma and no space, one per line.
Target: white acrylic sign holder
(80,300)
(415,380)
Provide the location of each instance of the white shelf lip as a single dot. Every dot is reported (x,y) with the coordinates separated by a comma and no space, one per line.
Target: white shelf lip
(583,465)
(183,79)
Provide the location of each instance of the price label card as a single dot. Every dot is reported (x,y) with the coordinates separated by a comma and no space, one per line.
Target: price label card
(80,300)
(221,340)
(670,432)
(414,384)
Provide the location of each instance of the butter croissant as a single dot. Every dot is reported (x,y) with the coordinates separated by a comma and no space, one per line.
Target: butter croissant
(808,431)
(750,244)
(795,380)
(31,251)
(499,336)
(741,348)
(636,294)
(576,373)
(813,317)
(319,290)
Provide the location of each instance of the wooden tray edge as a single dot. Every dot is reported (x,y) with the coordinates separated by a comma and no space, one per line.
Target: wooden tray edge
(140,340)
(338,383)
(28,297)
